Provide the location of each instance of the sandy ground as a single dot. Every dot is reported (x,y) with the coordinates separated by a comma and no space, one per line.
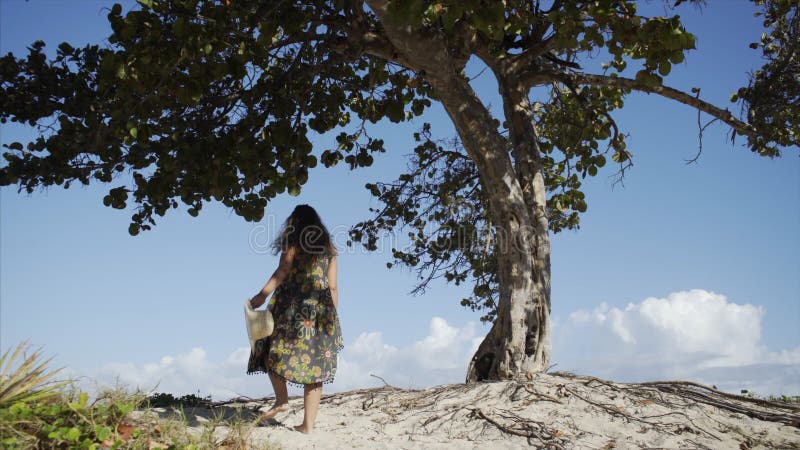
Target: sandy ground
(548,411)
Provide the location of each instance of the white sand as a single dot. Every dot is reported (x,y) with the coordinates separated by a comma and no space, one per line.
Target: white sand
(563,411)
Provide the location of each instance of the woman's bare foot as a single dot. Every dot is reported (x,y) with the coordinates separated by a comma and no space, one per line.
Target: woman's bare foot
(274,411)
(301,428)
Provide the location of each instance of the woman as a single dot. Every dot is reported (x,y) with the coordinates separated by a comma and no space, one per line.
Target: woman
(303,347)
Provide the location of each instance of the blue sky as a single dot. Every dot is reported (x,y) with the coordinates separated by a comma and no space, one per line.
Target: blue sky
(687,270)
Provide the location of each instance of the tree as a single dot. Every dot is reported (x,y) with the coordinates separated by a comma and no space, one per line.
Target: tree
(214,100)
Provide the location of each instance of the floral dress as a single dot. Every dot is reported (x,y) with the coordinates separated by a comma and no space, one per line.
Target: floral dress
(307,337)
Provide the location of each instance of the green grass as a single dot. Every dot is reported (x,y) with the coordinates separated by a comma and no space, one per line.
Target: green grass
(26,379)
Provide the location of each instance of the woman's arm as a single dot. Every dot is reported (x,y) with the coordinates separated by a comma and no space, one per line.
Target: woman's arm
(276,279)
(332,282)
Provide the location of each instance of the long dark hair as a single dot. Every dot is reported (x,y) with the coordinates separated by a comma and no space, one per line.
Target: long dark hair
(304,231)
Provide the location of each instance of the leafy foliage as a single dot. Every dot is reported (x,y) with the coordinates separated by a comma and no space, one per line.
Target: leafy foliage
(69,419)
(575,125)
(37,412)
(199,100)
(66,420)
(441,202)
(442,205)
(772,99)
(440,199)
(195,101)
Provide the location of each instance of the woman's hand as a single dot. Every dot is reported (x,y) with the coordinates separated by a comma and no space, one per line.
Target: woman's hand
(256,301)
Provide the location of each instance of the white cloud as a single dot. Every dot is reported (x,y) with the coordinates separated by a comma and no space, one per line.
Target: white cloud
(695,334)
(188,373)
(439,357)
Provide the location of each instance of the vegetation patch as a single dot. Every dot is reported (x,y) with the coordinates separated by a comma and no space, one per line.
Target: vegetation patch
(37,412)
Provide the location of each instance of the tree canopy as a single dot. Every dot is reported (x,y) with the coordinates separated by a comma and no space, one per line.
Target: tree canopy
(215,100)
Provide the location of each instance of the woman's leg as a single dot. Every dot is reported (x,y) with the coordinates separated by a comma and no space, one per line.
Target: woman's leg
(281,397)
(311,397)
(279,386)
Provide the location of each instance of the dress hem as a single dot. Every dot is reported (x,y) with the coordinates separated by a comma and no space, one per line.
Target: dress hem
(292,382)
(288,381)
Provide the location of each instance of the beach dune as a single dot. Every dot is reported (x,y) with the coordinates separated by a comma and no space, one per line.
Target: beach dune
(557,410)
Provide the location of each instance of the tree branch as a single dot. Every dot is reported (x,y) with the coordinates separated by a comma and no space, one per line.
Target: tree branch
(363,37)
(724,115)
(417,49)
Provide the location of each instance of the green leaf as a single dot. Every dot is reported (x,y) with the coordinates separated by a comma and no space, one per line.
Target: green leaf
(311,161)
(73,434)
(102,432)
(125,407)
(664,68)
(452,13)
(83,397)
(133,229)
(394,111)
(677,57)
(65,48)
(600,160)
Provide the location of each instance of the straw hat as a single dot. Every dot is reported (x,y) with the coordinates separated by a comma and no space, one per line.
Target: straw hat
(259,323)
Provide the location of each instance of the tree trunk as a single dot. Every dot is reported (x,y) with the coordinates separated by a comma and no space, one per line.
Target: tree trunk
(519,342)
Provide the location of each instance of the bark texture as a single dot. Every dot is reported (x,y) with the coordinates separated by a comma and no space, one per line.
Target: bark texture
(518,343)
(523,319)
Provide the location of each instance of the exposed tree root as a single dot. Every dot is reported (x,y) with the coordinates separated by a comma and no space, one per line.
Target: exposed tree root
(564,410)
(669,427)
(693,393)
(527,428)
(740,404)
